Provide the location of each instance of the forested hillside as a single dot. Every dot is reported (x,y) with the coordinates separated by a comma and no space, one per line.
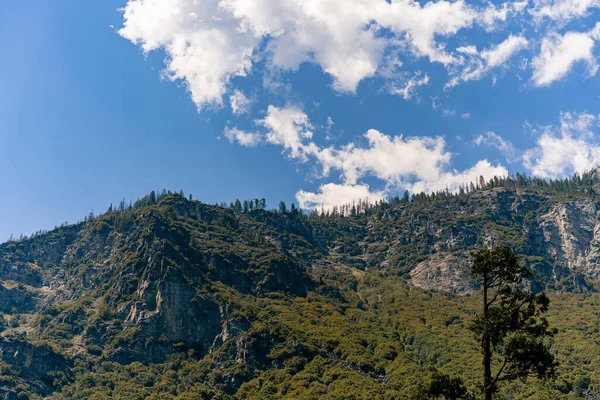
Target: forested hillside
(173,298)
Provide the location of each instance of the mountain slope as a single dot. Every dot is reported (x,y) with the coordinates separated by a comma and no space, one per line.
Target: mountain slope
(180,299)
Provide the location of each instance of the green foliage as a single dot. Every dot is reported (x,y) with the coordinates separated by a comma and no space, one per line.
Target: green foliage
(511,323)
(101,227)
(447,387)
(282,207)
(313,306)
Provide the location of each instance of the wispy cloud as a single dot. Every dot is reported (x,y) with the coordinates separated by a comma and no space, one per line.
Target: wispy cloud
(494,140)
(478,64)
(240,104)
(247,139)
(409,87)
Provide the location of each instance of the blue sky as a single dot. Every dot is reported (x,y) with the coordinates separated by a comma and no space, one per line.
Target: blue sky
(316,102)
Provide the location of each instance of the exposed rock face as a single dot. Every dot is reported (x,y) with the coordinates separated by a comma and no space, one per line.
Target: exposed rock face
(175,313)
(230,328)
(446,270)
(566,234)
(572,233)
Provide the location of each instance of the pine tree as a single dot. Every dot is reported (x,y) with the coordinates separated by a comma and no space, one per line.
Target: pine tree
(405,197)
(282,207)
(510,327)
(237,206)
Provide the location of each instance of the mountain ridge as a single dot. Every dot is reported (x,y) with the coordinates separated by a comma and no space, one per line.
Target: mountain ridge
(227,291)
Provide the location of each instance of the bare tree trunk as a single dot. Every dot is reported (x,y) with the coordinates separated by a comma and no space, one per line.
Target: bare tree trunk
(487,348)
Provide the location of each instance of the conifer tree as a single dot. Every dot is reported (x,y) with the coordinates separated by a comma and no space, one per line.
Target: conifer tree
(282,207)
(237,206)
(510,329)
(405,197)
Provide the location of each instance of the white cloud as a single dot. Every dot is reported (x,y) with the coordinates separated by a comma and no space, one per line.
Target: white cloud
(391,159)
(333,34)
(203,49)
(208,42)
(410,86)
(416,163)
(562,151)
(422,23)
(470,50)
(331,195)
(240,104)
(400,162)
(559,53)
(290,128)
(595,32)
(562,10)
(499,54)
(494,140)
(247,139)
(479,64)
(492,14)
(328,125)
(466,116)
(390,64)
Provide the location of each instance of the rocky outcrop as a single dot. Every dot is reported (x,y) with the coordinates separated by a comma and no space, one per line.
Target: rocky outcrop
(444,271)
(572,236)
(173,313)
(566,234)
(230,328)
